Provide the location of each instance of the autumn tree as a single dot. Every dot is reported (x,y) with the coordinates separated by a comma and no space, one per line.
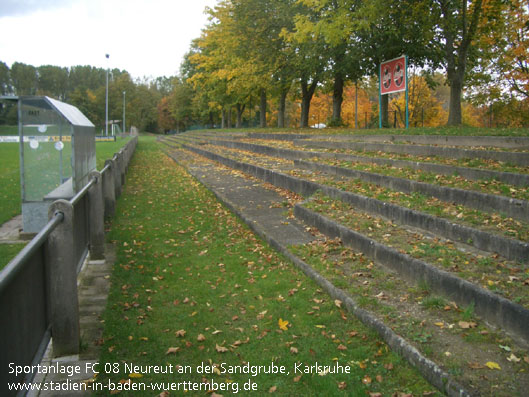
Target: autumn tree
(310,57)
(345,58)
(166,120)
(511,49)
(423,106)
(463,24)
(357,106)
(180,103)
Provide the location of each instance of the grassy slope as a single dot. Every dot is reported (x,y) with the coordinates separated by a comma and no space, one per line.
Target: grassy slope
(193,285)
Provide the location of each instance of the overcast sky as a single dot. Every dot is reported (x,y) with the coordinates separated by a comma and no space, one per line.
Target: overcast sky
(145,37)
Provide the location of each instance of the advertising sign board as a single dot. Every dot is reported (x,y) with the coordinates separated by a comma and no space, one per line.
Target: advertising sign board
(393,76)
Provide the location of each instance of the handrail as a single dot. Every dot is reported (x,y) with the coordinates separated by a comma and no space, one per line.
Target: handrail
(105,169)
(75,199)
(16,264)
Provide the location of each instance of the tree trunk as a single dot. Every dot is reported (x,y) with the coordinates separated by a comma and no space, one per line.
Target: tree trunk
(229,117)
(457,55)
(262,109)
(306,96)
(282,108)
(356,104)
(223,121)
(337,100)
(454,110)
(240,110)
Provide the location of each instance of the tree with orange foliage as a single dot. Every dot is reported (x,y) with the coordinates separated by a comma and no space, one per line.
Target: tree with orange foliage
(166,120)
(514,62)
(352,103)
(423,106)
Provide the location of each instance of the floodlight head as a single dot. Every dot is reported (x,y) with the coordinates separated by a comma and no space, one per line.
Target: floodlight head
(107,56)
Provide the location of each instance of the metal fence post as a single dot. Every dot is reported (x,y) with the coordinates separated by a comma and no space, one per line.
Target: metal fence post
(109,191)
(96,215)
(62,286)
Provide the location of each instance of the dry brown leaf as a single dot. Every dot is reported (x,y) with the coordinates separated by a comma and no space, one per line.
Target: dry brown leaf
(367,380)
(293,350)
(467,325)
(342,385)
(342,347)
(172,350)
(201,338)
(297,378)
(474,365)
(180,333)
(272,389)
(338,303)
(221,349)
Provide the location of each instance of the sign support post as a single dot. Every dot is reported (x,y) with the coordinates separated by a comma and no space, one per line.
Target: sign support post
(380,97)
(407,110)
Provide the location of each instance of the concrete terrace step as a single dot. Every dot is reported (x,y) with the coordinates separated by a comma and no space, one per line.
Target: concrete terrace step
(474,174)
(515,208)
(483,240)
(517,158)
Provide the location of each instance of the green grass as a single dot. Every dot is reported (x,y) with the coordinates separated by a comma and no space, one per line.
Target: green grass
(193,285)
(8,129)
(9,181)
(8,252)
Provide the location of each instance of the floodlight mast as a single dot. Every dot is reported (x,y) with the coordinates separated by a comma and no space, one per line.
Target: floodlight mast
(106,101)
(124,111)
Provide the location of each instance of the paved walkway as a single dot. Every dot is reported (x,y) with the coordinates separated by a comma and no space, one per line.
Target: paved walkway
(248,197)
(10,231)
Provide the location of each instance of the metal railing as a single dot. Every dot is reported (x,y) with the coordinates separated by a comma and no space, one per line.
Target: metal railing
(38,288)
